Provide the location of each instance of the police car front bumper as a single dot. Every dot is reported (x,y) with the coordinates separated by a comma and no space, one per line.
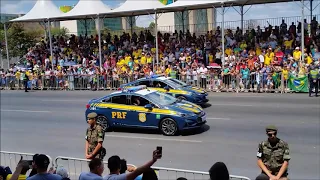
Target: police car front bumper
(195,123)
(201,99)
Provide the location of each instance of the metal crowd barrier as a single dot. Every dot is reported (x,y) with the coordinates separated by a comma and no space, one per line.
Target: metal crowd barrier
(210,82)
(235,83)
(170,173)
(75,166)
(11,159)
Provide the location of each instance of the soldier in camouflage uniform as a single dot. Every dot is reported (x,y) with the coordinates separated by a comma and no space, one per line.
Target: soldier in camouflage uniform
(94,138)
(273,157)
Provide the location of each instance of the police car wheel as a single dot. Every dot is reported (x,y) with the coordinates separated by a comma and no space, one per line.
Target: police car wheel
(168,127)
(181,98)
(103,121)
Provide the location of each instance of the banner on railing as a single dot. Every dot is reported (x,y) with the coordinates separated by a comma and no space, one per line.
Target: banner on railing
(298,84)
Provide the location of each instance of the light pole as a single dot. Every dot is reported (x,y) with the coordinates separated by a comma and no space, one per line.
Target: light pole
(1,59)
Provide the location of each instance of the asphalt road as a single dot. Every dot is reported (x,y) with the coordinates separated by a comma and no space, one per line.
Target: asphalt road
(52,122)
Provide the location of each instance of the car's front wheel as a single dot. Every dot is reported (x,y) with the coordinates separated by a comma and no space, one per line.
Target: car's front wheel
(168,127)
(103,121)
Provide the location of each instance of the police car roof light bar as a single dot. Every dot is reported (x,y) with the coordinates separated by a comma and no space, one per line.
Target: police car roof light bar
(137,88)
(153,76)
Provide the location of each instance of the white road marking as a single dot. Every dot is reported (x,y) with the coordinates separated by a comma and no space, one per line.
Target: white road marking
(240,105)
(159,139)
(241,96)
(220,118)
(26,111)
(62,100)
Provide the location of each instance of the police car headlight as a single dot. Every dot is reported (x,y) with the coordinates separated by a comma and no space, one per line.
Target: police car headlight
(193,94)
(183,115)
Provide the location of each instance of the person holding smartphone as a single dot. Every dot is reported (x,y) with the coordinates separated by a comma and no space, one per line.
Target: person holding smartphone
(114,165)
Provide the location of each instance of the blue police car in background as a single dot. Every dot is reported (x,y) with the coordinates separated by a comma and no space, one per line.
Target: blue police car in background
(173,87)
(140,107)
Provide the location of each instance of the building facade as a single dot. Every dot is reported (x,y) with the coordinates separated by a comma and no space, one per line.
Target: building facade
(196,21)
(90,26)
(8,17)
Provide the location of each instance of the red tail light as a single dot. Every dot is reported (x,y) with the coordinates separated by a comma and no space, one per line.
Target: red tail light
(88,106)
(119,89)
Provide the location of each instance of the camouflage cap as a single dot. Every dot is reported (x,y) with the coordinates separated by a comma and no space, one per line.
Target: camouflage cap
(92,115)
(271,128)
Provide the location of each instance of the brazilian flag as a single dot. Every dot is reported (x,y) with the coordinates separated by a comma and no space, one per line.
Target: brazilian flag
(276,79)
(298,84)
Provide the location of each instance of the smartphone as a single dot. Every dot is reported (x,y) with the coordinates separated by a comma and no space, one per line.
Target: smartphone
(159,149)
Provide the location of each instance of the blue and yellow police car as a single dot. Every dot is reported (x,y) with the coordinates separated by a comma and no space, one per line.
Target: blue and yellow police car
(141,107)
(172,86)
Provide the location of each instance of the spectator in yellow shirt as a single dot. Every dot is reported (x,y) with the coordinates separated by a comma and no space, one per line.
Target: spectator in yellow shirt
(285,73)
(18,75)
(269,57)
(258,50)
(121,61)
(149,59)
(243,45)
(168,70)
(228,51)
(288,43)
(143,59)
(297,54)
(158,71)
(136,60)
(136,54)
(153,50)
(210,57)
(21,169)
(127,58)
(308,58)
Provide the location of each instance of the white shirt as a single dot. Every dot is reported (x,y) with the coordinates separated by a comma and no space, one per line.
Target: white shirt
(84,61)
(194,74)
(203,72)
(261,58)
(182,59)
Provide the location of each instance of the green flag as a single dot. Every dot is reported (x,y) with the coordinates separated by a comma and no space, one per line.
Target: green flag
(276,79)
(298,84)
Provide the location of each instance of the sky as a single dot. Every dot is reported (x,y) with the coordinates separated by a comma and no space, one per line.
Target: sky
(255,12)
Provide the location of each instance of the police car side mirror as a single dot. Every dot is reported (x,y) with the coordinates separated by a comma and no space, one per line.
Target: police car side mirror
(148,106)
(167,88)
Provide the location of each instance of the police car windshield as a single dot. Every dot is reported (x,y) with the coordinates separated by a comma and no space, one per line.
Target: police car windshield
(183,84)
(161,98)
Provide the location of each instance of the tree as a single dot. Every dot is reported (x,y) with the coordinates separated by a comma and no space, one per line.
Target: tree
(19,40)
(152,26)
(60,32)
(138,29)
(1,26)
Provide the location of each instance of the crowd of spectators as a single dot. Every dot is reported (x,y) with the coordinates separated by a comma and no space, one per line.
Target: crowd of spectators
(38,169)
(254,58)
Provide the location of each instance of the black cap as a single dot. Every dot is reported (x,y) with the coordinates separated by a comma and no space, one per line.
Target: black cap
(42,161)
(34,157)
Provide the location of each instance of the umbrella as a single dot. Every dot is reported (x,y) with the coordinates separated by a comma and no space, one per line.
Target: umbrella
(214,66)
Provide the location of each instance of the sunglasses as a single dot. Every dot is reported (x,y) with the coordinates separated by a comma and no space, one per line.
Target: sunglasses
(90,119)
(271,134)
